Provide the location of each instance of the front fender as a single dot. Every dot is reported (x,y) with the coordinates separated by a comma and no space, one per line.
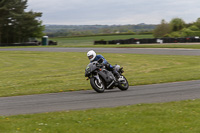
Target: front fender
(97,77)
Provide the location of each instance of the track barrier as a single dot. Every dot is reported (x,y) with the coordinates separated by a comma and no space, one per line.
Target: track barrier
(149,41)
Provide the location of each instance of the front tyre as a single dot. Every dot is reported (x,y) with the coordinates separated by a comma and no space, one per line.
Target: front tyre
(98,87)
(123,84)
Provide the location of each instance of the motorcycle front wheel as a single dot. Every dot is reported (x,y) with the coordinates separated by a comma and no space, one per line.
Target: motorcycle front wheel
(98,87)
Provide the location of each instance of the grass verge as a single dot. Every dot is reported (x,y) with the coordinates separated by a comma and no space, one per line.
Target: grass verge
(24,73)
(185,46)
(89,41)
(177,45)
(173,117)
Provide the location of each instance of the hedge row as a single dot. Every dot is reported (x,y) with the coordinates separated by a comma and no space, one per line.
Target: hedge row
(19,44)
(27,44)
(193,33)
(150,41)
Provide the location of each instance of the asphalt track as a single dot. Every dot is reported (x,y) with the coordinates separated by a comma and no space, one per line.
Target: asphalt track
(89,99)
(157,51)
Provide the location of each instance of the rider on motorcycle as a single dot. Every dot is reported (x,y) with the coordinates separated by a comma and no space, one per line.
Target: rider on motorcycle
(94,57)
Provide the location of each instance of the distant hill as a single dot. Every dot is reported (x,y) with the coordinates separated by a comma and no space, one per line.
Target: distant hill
(70,30)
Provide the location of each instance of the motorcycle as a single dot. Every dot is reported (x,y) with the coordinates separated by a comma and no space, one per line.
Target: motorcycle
(101,79)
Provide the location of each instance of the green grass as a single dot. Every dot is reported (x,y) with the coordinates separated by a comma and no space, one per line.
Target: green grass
(186,46)
(183,45)
(173,117)
(90,40)
(24,73)
(42,72)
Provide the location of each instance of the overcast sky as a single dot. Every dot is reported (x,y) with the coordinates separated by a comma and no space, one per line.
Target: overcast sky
(90,12)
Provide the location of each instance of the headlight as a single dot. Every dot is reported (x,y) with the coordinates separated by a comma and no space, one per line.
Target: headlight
(87,74)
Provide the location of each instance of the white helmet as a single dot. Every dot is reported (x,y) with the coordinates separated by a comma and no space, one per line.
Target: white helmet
(91,55)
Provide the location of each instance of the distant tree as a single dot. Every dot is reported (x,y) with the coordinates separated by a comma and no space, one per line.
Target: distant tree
(17,25)
(162,29)
(193,28)
(29,26)
(106,31)
(177,24)
(197,23)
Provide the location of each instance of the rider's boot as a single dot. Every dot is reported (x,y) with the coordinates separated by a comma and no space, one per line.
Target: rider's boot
(117,75)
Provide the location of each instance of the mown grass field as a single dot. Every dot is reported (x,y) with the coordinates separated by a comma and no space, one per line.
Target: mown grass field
(185,46)
(25,73)
(89,41)
(177,45)
(173,117)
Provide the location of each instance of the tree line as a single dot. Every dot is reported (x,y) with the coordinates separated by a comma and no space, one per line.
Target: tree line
(16,24)
(177,28)
(84,30)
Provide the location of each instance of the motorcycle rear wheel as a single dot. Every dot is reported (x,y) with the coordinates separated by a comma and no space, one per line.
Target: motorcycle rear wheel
(123,85)
(98,87)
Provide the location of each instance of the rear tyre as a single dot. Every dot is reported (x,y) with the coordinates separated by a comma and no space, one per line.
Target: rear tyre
(123,85)
(98,87)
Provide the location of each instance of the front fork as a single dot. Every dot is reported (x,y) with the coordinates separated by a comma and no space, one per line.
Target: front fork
(97,77)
